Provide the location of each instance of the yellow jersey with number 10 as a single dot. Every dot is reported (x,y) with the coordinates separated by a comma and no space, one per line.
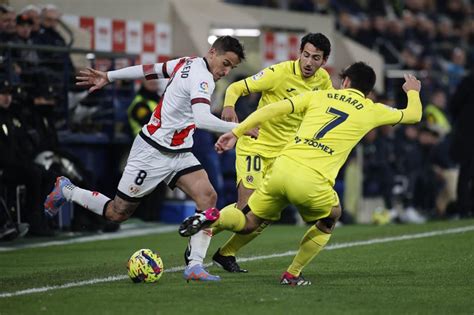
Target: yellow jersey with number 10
(278,82)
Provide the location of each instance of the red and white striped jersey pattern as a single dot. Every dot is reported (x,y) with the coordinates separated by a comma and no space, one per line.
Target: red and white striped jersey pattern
(171,126)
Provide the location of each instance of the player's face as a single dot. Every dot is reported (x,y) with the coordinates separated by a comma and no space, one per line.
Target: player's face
(220,64)
(311,59)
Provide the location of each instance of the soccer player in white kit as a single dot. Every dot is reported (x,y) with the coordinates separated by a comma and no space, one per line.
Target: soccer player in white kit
(162,150)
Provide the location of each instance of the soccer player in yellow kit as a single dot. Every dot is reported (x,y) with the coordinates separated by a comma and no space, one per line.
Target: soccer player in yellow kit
(304,172)
(254,157)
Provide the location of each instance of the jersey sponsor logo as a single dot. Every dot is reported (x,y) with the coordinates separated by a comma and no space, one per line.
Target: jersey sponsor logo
(257,76)
(204,87)
(315,144)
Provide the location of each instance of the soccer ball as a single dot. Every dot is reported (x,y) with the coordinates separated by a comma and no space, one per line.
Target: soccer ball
(145,266)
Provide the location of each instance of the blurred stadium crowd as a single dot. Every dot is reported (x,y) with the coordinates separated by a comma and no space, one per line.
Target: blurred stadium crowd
(419,172)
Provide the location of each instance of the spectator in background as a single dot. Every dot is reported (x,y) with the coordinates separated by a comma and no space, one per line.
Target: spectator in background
(57,62)
(407,166)
(16,162)
(396,34)
(457,10)
(7,23)
(445,39)
(427,184)
(44,97)
(143,105)
(26,59)
(461,107)
(322,6)
(33,12)
(409,23)
(426,33)
(455,68)
(378,173)
(447,174)
(435,113)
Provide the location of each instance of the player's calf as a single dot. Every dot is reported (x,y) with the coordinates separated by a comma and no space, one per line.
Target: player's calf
(119,210)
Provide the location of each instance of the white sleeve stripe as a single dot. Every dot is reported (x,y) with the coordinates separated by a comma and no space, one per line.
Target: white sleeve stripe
(200,100)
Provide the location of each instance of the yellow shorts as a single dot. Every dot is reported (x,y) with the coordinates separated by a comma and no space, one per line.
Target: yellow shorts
(251,169)
(289,182)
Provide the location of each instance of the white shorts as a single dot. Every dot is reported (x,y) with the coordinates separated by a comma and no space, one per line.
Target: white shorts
(147,167)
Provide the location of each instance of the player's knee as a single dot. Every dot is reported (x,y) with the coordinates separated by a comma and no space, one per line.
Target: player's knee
(328,223)
(336,213)
(209,198)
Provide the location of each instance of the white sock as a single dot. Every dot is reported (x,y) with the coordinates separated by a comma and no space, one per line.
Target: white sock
(91,200)
(199,243)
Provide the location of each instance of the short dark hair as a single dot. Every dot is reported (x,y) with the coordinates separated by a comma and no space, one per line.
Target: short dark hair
(318,40)
(228,43)
(362,76)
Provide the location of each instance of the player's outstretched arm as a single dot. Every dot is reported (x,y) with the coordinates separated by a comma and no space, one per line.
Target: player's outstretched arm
(98,79)
(412,113)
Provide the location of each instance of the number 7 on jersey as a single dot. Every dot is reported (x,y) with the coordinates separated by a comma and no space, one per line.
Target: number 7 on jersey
(339,118)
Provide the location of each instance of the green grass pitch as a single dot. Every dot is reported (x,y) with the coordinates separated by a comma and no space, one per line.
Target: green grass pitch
(373,271)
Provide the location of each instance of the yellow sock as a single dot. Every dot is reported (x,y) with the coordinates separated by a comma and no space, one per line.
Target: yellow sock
(313,241)
(231,219)
(237,241)
(216,230)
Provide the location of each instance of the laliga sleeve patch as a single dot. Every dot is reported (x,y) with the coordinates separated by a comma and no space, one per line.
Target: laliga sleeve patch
(204,87)
(257,76)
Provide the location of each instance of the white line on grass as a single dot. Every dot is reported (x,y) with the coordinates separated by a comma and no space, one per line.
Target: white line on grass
(100,237)
(288,253)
